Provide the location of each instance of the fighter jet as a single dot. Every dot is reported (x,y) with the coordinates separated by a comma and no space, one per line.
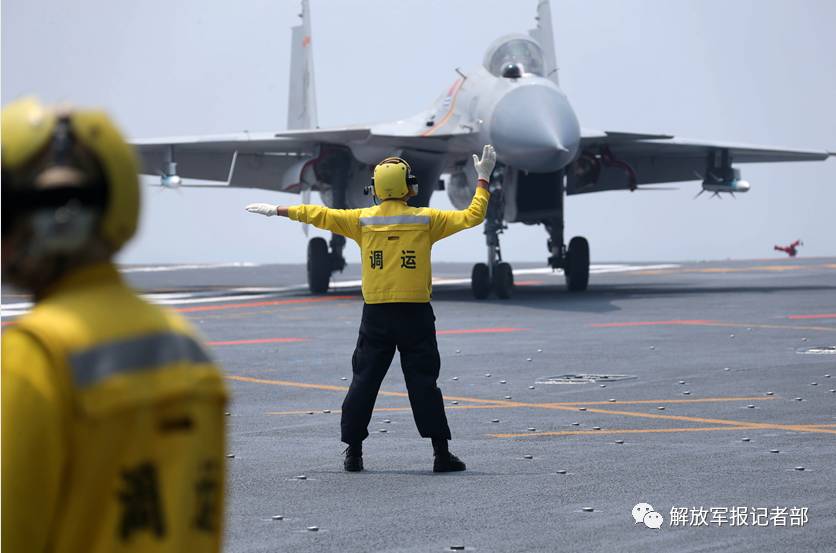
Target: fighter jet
(513,100)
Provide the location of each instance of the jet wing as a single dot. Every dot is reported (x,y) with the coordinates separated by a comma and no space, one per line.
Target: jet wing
(265,160)
(258,160)
(628,159)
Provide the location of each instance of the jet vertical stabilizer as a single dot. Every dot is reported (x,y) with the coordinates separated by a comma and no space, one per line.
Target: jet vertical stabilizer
(301,104)
(544,35)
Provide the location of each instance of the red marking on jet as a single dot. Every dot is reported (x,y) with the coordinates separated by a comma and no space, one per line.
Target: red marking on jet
(256,341)
(653,323)
(452,88)
(198,308)
(499,330)
(529,282)
(791,250)
(306,41)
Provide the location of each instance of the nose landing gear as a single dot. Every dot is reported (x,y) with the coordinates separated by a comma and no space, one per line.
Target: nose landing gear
(501,281)
(494,275)
(480,281)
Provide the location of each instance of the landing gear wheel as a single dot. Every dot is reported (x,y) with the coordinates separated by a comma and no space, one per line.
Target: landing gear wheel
(503,281)
(480,281)
(319,265)
(577,264)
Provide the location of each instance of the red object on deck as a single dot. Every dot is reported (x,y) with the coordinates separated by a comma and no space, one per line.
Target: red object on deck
(791,250)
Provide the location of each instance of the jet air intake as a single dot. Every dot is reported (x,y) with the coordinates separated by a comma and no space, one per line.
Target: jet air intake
(534,128)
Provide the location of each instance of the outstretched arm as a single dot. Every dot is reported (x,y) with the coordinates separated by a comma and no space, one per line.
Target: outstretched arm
(341,221)
(269,209)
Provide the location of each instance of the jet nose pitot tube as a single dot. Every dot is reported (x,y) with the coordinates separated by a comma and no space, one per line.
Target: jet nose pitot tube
(535,129)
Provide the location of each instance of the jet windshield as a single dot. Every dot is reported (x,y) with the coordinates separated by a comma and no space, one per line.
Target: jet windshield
(522,52)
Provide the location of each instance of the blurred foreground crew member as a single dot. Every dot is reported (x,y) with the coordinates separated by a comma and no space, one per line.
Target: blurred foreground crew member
(395,241)
(113,413)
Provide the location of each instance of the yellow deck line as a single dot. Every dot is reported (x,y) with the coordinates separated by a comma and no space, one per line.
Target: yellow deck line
(660,401)
(569,403)
(620,431)
(502,402)
(729,422)
(508,403)
(332,388)
(383,409)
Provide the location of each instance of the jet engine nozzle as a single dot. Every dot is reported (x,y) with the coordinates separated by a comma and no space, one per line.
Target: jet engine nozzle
(534,128)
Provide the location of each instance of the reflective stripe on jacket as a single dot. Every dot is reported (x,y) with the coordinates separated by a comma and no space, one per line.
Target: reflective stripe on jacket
(113,425)
(395,242)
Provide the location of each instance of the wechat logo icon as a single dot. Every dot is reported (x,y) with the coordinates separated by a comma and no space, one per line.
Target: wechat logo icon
(643,512)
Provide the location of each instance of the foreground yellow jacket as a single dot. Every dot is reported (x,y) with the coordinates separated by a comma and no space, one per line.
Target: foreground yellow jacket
(113,426)
(395,242)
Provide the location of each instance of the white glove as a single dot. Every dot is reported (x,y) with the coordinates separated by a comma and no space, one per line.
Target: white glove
(263,209)
(484,167)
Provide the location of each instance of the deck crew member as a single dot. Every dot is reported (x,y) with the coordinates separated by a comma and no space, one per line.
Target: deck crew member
(113,413)
(395,241)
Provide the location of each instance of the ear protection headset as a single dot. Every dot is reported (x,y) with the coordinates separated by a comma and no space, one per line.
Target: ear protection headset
(392,178)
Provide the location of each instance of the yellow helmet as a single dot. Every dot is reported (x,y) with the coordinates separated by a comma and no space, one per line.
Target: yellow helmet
(392,179)
(93,150)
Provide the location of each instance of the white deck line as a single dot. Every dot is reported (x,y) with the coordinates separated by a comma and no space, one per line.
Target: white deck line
(257,293)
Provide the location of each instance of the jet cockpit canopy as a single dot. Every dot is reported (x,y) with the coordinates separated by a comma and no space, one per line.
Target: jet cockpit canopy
(514,50)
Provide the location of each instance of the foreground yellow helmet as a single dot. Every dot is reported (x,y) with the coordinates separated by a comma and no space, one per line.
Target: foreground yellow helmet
(55,155)
(393,178)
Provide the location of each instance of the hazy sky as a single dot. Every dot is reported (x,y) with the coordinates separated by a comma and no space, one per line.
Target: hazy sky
(758,71)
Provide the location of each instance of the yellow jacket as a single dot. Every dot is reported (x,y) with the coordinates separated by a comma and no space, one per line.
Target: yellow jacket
(113,426)
(395,242)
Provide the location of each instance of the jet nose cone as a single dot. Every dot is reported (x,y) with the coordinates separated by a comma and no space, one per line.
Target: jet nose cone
(535,129)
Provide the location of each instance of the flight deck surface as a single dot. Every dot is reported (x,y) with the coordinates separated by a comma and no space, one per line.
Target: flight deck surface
(696,386)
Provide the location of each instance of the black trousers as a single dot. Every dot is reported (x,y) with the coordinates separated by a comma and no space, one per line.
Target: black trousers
(409,327)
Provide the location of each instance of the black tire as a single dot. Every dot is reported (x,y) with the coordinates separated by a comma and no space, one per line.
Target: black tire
(480,281)
(319,265)
(577,264)
(503,281)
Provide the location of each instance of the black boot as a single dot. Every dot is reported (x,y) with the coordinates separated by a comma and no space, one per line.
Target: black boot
(444,461)
(353,458)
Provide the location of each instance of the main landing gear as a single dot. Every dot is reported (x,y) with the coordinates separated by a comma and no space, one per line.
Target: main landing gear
(322,262)
(574,260)
(494,275)
(325,258)
(576,268)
